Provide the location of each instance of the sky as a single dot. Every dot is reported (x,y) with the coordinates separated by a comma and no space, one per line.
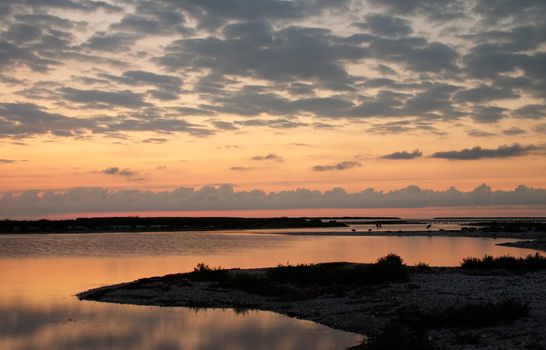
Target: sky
(272,106)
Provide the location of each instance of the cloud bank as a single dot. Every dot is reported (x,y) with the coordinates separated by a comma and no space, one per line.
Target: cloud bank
(225,197)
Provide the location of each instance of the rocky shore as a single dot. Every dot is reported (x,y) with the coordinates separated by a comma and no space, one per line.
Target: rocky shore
(367,309)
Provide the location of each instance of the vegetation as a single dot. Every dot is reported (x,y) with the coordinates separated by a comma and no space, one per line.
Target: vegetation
(409,329)
(305,280)
(530,262)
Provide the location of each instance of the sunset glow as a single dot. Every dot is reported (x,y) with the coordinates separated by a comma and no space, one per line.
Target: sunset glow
(271,96)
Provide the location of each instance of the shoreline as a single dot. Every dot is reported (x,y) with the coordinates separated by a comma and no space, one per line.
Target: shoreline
(364,310)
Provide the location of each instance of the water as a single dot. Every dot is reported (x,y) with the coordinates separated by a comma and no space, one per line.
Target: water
(40,274)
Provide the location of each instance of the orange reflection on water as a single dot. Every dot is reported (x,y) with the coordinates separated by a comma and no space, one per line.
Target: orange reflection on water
(38,309)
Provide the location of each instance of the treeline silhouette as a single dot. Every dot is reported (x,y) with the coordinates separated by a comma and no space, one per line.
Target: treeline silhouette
(135,224)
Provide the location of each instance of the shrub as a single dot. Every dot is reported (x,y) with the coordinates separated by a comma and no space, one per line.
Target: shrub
(530,262)
(203,272)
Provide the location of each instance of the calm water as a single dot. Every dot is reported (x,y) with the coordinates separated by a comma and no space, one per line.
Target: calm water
(39,275)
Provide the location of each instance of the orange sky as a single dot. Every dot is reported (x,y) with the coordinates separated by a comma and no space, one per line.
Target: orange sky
(332,95)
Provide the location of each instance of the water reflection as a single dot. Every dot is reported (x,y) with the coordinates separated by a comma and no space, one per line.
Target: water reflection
(108,326)
(40,274)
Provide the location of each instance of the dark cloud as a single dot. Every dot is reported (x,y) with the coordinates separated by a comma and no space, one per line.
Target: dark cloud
(385,25)
(272,123)
(480,133)
(257,50)
(495,11)
(222,125)
(15,55)
(513,131)
(433,10)
(404,155)
(484,93)
(102,99)
(339,166)
(224,197)
(168,87)
(532,111)
(213,14)
(520,38)
(435,99)
(416,54)
(110,42)
(118,171)
(505,151)
(160,125)
(81,5)
(155,140)
(25,119)
(395,127)
(7,161)
(488,114)
(153,23)
(271,157)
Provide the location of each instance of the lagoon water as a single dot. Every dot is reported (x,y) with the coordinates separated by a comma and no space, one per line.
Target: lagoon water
(40,274)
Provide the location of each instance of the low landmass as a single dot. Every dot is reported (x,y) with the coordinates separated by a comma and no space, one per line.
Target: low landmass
(488,303)
(159,224)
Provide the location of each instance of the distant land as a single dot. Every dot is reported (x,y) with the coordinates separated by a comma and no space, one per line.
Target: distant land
(153,224)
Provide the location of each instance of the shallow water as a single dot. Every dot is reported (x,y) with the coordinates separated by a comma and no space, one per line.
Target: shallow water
(39,275)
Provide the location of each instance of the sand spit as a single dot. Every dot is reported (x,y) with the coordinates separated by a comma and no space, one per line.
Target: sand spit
(537,244)
(367,310)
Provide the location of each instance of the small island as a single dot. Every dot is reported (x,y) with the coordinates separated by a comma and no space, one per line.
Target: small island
(486,303)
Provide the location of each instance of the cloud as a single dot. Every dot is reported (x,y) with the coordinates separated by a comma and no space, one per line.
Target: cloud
(13,55)
(222,125)
(7,161)
(152,21)
(480,133)
(255,49)
(484,93)
(168,87)
(101,98)
(531,111)
(488,114)
(213,14)
(82,5)
(385,25)
(282,64)
(404,155)
(110,42)
(26,119)
(81,200)
(241,168)
(541,128)
(505,151)
(118,171)
(271,157)
(339,166)
(431,9)
(513,131)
